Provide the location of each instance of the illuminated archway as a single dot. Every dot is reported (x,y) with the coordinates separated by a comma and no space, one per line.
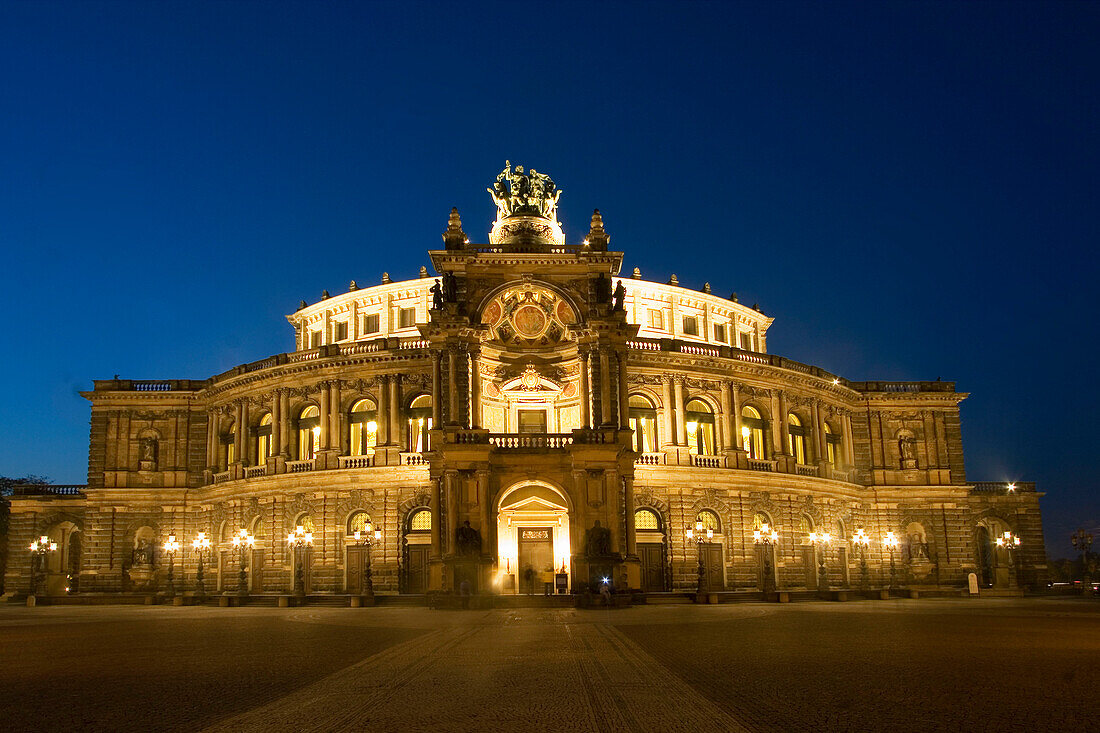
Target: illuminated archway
(532,536)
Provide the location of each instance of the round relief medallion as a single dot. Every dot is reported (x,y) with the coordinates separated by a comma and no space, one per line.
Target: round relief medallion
(491,314)
(565,313)
(529,320)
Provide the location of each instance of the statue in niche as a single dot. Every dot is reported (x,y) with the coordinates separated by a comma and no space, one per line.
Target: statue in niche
(597,541)
(467,540)
(907,449)
(450,288)
(148,454)
(603,289)
(918,543)
(143,553)
(437,296)
(619,298)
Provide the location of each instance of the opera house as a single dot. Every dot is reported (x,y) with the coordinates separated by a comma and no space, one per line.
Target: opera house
(528,419)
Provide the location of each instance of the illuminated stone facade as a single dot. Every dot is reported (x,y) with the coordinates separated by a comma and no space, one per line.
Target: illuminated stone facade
(486,421)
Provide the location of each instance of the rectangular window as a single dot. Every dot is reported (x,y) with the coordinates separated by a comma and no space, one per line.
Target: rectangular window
(691,326)
(531,421)
(406,318)
(746,341)
(339,330)
(371,324)
(314,339)
(720,332)
(656,320)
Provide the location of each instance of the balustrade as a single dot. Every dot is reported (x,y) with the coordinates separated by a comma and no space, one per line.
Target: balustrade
(301,466)
(531,440)
(254,471)
(649,459)
(356,461)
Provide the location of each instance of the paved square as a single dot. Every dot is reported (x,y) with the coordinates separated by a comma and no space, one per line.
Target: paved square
(891,665)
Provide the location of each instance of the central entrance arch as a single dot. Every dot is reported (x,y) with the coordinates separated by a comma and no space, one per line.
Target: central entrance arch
(532,537)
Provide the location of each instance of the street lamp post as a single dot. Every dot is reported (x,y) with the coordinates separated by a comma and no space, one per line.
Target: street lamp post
(40,550)
(1082,541)
(766,537)
(171,547)
(298,540)
(366,538)
(244,542)
(891,543)
(820,540)
(701,537)
(1010,542)
(863,542)
(201,543)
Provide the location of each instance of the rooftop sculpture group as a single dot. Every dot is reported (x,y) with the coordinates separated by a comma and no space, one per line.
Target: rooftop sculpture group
(531,193)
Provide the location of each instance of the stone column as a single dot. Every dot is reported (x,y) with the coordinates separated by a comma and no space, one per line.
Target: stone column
(277,422)
(605,387)
(667,419)
(437,550)
(628,509)
(585,391)
(729,438)
(450,479)
(776,427)
(437,395)
(335,431)
(488,527)
(475,389)
(678,400)
(241,441)
(383,414)
(212,440)
(735,402)
(395,409)
(624,394)
(784,427)
(819,434)
(286,424)
(326,406)
(452,387)
(849,445)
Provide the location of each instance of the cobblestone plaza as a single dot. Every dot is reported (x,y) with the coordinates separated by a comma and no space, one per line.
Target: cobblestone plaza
(973,664)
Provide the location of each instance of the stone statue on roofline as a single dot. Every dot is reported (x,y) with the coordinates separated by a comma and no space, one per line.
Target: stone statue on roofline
(519,193)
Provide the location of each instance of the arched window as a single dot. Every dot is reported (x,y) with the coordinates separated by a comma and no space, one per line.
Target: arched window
(263,440)
(259,530)
(832,445)
(421,521)
(700,427)
(647,519)
(759,519)
(230,442)
(752,433)
(420,422)
(796,438)
(358,521)
(805,524)
(364,428)
(709,520)
(643,421)
(309,433)
(304,521)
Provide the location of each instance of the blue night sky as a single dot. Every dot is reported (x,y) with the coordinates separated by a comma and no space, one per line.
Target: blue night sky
(908,188)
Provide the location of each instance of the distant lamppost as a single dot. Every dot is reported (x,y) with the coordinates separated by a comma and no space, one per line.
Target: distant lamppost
(171,547)
(701,538)
(1009,542)
(298,540)
(1082,541)
(244,542)
(366,538)
(890,541)
(40,550)
(201,543)
(863,542)
(820,540)
(766,537)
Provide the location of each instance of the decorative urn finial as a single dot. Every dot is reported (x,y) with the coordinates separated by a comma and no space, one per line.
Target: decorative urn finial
(597,238)
(454,237)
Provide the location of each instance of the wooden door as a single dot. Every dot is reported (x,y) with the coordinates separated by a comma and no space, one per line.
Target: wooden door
(356,562)
(416,572)
(809,566)
(712,567)
(652,555)
(256,572)
(307,567)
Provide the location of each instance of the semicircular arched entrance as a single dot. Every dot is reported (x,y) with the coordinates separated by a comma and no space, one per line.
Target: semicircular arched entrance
(532,537)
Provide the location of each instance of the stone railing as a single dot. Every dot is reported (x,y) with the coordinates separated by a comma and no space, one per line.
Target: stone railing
(254,471)
(1002,487)
(649,459)
(708,461)
(838,475)
(531,440)
(356,461)
(48,490)
(759,465)
(301,466)
(222,476)
(803,470)
(413,459)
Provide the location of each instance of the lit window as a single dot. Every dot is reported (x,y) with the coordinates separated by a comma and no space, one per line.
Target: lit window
(656,320)
(309,433)
(314,339)
(709,520)
(643,421)
(796,438)
(305,522)
(420,422)
(746,341)
(259,531)
(421,521)
(359,522)
(752,433)
(832,445)
(339,330)
(531,421)
(371,323)
(691,326)
(646,519)
(406,318)
(263,440)
(364,428)
(720,332)
(230,441)
(700,427)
